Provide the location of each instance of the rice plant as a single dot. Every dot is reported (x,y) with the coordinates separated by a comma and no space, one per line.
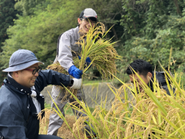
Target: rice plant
(142,115)
(100,50)
(133,115)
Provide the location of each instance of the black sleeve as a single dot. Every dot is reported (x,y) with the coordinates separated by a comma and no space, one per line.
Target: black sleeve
(47,77)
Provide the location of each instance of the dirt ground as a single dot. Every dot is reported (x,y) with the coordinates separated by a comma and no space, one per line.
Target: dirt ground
(64,132)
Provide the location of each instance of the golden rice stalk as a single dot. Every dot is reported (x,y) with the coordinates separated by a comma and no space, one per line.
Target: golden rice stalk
(163,118)
(100,50)
(155,114)
(44,121)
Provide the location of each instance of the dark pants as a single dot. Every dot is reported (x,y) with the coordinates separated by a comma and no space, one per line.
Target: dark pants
(48,137)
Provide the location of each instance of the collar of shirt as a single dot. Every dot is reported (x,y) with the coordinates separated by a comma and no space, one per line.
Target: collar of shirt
(19,87)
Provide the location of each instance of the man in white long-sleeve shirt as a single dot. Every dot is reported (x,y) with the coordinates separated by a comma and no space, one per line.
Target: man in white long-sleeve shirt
(67,49)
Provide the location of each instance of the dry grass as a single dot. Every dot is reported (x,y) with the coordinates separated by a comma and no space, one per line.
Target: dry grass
(64,131)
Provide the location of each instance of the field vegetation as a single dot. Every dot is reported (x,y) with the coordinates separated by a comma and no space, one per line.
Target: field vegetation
(147,29)
(132,115)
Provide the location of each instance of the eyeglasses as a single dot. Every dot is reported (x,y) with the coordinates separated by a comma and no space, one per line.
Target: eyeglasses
(35,70)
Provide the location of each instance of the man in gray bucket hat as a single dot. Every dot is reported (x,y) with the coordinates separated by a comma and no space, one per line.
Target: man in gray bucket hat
(20,98)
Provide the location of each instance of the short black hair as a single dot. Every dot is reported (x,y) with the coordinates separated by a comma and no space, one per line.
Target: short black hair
(140,66)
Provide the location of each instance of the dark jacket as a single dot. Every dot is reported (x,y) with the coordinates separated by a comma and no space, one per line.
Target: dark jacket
(18,118)
(160,76)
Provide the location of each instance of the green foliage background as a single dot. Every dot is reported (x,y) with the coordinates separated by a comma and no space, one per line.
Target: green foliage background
(146,29)
(7,15)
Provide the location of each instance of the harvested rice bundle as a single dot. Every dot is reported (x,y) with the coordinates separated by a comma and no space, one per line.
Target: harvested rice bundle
(56,66)
(100,50)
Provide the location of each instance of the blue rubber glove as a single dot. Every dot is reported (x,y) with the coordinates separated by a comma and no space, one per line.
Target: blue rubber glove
(87,61)
(75,72)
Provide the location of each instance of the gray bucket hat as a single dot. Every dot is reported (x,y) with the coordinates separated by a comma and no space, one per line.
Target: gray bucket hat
(21,59)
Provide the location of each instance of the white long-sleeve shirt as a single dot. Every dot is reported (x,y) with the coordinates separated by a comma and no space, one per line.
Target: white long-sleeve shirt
(67,44)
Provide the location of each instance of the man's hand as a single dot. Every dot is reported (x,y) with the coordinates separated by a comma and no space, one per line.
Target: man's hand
(77,83)
(87,61)
(75,72)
